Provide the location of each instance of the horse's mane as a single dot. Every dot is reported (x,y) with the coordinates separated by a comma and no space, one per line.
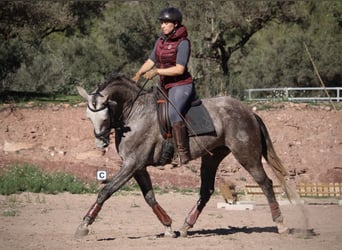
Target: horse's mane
(119,78)
(112,78)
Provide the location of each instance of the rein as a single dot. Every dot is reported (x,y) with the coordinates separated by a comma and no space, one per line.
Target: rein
(136,98)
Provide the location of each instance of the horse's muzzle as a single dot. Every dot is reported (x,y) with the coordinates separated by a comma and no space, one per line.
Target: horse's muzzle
(102,139)
(101,144)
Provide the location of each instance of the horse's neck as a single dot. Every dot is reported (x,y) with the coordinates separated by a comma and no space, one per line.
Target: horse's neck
(130,103)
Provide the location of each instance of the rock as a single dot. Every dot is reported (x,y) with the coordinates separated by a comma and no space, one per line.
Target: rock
(89,154)
(55,108)
(16,146)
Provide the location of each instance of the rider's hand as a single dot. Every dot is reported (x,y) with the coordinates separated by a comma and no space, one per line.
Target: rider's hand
(136,78)
(150,74)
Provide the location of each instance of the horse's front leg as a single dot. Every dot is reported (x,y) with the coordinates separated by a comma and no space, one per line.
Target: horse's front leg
(143,179)
(126,172)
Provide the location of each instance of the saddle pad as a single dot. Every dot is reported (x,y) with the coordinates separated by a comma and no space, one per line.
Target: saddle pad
(199,120)
(197,117)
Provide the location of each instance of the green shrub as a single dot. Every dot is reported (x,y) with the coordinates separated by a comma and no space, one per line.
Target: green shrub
(28,178)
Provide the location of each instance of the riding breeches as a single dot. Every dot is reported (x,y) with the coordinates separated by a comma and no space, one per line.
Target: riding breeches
(180,98)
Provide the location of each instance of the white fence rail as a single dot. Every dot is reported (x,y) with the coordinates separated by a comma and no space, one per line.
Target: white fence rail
(308,94)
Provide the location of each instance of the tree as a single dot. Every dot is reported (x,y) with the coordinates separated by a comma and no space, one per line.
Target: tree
(52,46)
(276,55)
(227,26)
(24,25)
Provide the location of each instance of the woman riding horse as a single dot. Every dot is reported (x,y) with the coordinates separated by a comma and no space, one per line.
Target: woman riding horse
(171,54)
(120,104)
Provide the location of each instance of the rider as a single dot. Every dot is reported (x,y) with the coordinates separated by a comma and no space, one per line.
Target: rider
(171,55)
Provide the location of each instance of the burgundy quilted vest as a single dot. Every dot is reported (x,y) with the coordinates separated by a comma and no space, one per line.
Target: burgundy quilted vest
(166,54)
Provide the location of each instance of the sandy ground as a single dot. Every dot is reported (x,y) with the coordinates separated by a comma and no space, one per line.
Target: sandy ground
(59,138)
(49,221)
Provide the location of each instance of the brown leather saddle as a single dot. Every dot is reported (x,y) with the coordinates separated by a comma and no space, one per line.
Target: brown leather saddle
(197,118)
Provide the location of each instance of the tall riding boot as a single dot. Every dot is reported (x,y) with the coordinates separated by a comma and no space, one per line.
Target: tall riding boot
(181,138)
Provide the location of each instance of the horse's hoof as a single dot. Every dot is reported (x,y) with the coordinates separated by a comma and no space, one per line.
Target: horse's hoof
(183,233)
(169,233)
(184,230)
(282,229)
(81,231)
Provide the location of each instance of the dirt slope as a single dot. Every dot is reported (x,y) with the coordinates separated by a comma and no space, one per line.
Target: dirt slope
(59,138)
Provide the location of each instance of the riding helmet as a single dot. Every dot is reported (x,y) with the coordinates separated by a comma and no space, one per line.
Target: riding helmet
(171,14)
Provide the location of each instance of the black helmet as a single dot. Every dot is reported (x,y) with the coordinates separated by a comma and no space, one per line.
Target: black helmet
(171,14)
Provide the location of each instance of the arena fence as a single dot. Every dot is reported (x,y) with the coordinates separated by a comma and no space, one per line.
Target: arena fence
(308,94)
(303,189)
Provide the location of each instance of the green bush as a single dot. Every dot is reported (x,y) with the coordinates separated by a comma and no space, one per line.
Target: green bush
(28,178)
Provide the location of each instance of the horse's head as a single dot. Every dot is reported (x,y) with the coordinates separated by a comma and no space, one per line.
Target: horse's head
(99,113)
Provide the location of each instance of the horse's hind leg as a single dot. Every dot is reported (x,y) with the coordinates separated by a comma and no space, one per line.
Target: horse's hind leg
(143,179)
(265,183)
(209,167)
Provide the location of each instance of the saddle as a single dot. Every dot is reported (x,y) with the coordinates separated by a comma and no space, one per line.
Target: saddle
(197,118)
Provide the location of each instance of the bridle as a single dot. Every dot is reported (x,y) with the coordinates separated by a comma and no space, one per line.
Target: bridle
(102,135)
(112,124)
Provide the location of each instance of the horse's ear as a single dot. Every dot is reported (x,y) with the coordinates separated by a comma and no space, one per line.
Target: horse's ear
(82,92)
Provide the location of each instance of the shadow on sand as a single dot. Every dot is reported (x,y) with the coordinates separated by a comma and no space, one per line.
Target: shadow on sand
(303,233)
(231,230)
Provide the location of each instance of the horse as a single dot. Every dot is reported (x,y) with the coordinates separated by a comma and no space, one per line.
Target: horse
(123,105)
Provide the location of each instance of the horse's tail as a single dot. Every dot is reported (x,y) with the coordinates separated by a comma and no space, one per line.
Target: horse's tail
(274,161)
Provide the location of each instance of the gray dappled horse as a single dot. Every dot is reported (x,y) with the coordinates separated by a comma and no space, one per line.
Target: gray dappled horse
(120,104)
